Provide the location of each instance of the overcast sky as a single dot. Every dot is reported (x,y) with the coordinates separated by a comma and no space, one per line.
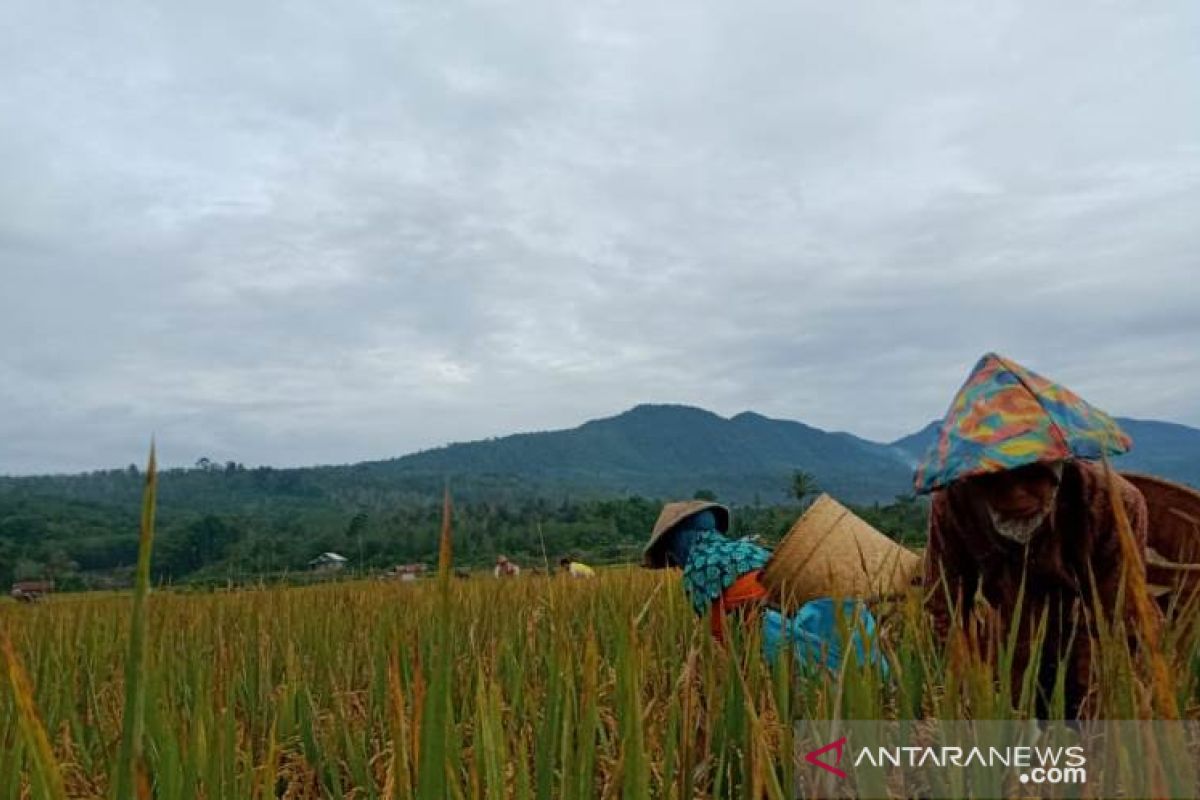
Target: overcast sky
(312,232)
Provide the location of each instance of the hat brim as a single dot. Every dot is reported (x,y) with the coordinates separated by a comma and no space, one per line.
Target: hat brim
(673,514)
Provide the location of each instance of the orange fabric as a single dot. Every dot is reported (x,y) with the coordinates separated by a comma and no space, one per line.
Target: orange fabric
(745,590)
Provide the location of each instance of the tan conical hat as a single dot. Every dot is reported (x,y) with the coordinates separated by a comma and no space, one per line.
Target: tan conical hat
(830,552)
(673,514)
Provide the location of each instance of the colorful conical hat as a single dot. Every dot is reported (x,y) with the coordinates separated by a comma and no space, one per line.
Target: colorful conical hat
(1006,416)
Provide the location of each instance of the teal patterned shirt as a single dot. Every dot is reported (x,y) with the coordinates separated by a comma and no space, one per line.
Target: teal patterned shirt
(714,563)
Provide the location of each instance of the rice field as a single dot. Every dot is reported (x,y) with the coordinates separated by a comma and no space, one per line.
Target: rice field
(552,688)
(539,687)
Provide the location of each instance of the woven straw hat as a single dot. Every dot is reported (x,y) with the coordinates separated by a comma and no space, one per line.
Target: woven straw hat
(1173,535)
(673,514)
(830,552)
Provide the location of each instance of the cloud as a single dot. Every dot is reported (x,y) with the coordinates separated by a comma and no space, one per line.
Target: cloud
(299,233)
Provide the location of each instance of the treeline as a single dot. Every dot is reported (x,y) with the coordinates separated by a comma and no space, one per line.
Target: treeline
(85,544)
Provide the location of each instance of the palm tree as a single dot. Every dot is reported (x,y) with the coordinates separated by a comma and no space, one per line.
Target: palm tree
(804,484)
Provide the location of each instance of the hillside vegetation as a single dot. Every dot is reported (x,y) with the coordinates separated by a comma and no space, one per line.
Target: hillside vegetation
(593,491)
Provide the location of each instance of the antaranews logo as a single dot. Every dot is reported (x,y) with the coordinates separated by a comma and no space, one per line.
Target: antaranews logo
(1037,765)
(838,747)
(995,759)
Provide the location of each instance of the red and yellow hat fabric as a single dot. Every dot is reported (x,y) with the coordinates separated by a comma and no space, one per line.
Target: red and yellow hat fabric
(1006,416)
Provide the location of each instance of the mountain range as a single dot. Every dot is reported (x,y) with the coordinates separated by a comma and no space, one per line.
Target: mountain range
(657,451)
(674,450)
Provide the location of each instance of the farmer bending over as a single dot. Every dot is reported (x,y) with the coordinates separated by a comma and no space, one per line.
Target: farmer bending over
(1017,502)
(575,569)
(505,568)
(721,575)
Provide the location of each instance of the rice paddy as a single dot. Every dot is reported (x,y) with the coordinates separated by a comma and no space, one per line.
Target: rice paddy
(539,687)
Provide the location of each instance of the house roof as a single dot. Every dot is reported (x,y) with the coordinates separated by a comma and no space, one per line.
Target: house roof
(33,586)
(329,557)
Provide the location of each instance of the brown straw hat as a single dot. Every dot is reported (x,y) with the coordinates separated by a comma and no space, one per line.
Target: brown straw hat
(1173,535)
(830,552)
(673,514)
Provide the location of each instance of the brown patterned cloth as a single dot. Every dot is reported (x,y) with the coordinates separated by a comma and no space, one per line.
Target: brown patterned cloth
(1078,544)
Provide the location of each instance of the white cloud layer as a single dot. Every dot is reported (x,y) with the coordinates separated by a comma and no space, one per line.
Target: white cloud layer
(306,232)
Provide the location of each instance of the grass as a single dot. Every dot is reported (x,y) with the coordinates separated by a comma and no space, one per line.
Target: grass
(537,688)
(131,768)
(542,687)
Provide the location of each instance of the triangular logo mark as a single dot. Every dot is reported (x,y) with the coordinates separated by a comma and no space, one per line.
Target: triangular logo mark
(814,757)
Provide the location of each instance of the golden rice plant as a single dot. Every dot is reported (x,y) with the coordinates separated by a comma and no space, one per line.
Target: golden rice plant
(540,687)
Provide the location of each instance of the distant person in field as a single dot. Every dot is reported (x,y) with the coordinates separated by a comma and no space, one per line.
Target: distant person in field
(575,569)
(721,577)
(1018,501)
(505,568)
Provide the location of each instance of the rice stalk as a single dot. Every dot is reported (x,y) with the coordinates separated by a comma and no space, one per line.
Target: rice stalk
(131,774)
(36,742)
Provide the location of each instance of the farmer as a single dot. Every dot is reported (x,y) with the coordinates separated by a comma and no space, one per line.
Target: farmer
(505,568)
(721,576)
(1024,516)
(576,569)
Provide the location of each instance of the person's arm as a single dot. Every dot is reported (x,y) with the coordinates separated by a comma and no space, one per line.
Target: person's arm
(951,573)
(747,591)
(716,620)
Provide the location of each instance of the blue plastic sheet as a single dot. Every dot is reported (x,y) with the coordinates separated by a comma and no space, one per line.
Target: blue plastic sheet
(818,637)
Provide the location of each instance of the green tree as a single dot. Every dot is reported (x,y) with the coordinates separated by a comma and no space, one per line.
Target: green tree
(8,557)
(354,534)
(28,570)
(59,565)
(804,484)
(26,528)
(203,542)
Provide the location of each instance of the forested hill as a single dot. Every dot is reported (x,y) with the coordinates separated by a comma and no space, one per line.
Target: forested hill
(662,451)
(654,451)
(650,450)
(594,489)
